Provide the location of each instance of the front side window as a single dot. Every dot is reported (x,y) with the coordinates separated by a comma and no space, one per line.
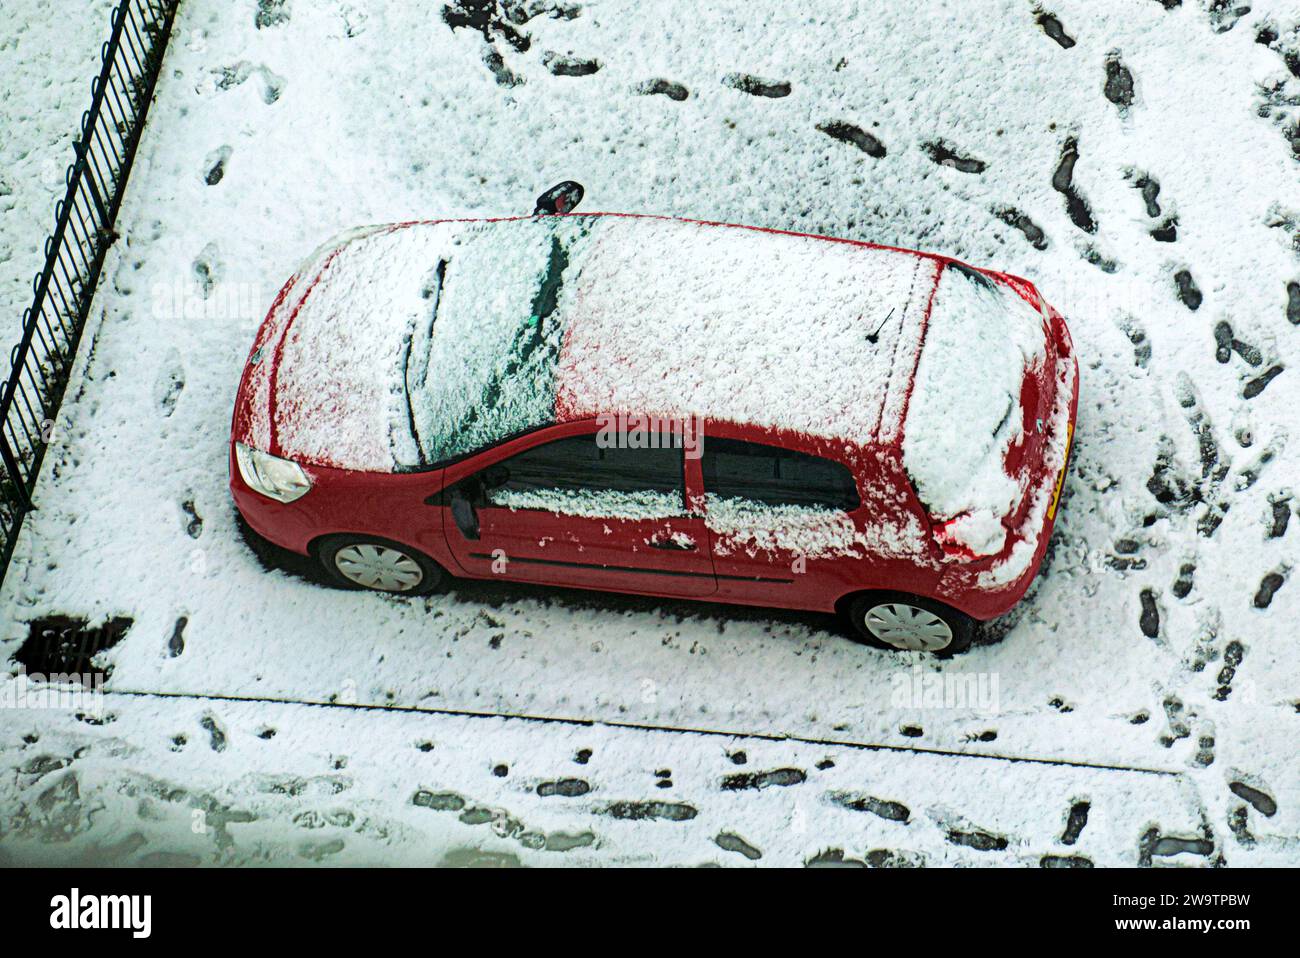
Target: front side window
(775,476)
(580,475)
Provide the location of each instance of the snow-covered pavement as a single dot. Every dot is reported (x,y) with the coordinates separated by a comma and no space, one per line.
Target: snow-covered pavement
(46,63)
(1134,161)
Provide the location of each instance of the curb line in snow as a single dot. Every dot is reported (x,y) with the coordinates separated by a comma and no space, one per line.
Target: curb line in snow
(644,727)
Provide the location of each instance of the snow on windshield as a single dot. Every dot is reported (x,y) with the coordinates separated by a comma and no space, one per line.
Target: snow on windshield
(485,351)
(411,344)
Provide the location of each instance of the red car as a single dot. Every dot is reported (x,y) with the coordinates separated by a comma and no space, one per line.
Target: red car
(664,407)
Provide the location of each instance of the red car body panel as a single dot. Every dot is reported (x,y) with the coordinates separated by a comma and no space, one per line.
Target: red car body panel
(623,555)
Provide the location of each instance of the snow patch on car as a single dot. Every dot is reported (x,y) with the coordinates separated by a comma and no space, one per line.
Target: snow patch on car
(749,527)
(682,319)
(964,413)
(981,533)
(591,503)
(338,389)
(1055,453)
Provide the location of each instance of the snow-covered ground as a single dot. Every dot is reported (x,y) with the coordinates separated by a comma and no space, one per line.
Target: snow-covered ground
(1152,674)
(46,64)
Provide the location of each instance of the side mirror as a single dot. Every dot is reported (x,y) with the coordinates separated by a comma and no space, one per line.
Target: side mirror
(560,198)
(494,477)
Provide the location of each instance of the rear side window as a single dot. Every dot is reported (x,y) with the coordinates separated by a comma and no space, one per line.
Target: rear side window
(580,464)
(776,476)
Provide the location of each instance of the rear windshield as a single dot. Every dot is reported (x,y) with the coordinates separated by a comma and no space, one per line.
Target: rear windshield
(964,411)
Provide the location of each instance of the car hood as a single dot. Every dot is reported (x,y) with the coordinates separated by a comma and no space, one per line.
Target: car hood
(324,382)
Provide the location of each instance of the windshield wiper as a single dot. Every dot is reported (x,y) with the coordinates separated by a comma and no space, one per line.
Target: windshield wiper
(431,291)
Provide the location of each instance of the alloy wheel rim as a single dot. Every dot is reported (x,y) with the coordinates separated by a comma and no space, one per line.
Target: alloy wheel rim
(907,627)
(378,567)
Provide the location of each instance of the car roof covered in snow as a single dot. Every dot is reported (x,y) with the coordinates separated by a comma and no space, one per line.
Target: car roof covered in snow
(400,347)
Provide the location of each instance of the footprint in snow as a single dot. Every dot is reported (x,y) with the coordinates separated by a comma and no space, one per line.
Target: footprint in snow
(1262,802)
(756,86)
(1174,716)
(943,155)
(1095,257)
(1166,230)
(1076,822)
(1224,14)
(1189,294)
(1119,83)
(1280,508)
(1268,587)
(1021,221)
(976,838)
(214,165)
(1053,28)
(761,780)
(1076,206)
(216,734)
(731,842)
(566,66)
(565,787)
(193,521)
(1138,337)
(169,383)
(1226,344)
(1149,619)
(227,78)
(1257,385)
(207,268)
(503,75)
(176,643)
(882,808)
(651,811)
(855,136)
(1233,653)
(1065,861)
(271,13)
(660,87)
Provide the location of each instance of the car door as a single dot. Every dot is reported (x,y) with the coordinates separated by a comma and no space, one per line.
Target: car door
(779,520)
(587,510)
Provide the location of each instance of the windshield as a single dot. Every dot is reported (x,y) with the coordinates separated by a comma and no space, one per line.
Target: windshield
(481,364)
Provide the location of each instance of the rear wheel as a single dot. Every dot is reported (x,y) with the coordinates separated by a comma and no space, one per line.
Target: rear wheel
(360,562)
(909,623)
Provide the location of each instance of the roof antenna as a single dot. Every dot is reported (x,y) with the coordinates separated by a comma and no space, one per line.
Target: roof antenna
(560,198)
(873,338)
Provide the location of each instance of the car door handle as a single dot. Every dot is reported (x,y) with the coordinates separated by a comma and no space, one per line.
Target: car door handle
(673,544)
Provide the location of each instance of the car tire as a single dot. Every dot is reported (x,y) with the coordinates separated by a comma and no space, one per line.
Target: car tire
(901,622)
(367,562)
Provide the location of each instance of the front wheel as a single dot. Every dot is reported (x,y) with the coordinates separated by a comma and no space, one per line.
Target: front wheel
(909,623)
(367,563)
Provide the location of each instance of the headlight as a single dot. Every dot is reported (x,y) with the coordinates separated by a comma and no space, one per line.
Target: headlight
(270,475)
